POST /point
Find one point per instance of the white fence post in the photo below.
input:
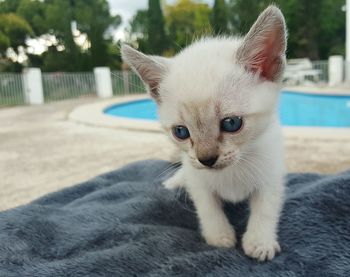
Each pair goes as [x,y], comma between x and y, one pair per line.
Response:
[103,82]
[33,86]
[335,70]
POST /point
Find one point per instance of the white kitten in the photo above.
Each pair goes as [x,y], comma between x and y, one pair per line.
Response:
[217,100]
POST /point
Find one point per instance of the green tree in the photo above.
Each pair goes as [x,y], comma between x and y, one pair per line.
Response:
[155,29]
[333,29]
[34,13]
[243,13]
[219,20]
[13,31]
[59,14]
[55,17]
[94,19]
[187,19]
[303,19]
[316,28]
[115,60]
[137,31]
[9,6]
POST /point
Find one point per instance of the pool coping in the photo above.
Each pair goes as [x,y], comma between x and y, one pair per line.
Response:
[319,90]
[93,114]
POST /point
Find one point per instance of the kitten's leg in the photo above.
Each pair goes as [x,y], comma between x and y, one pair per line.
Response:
[260,239]
[175,181]
[216,228]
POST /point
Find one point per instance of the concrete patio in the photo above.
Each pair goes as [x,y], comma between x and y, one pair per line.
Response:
[42,150]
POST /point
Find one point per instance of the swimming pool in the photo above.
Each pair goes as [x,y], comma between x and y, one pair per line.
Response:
[296,109]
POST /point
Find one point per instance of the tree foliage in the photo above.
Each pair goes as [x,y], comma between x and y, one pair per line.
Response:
[137,32]
[187,19]
[316,28]
[243,13]
[219,19]
[9,6]
[13,31]
[37,17]
[94,19]
[155,28]
[34,13]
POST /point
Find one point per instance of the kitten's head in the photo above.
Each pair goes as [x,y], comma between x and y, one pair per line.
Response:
[217,96]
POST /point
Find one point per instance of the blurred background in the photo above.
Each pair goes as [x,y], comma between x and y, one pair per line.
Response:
[78,35]
[62,81]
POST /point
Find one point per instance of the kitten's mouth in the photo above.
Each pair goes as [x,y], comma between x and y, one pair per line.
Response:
[212,168]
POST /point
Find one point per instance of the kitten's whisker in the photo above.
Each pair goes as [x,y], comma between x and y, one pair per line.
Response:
[168,169]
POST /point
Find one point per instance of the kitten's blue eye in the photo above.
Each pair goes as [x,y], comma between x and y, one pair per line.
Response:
[231,124]
[181,132]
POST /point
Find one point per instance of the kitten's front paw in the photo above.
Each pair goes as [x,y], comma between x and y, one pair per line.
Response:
[259,247]
[221,237]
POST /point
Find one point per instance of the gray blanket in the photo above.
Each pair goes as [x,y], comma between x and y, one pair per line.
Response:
[125,224]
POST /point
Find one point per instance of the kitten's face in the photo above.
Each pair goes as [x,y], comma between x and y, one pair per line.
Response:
[217,96]
[215,121]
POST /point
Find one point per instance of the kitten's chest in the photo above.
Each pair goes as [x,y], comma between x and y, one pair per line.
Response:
[234,192]
[229,186]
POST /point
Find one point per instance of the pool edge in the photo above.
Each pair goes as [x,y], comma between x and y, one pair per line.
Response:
[93,114]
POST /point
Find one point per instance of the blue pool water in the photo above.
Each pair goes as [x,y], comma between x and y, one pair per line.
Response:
[296,109]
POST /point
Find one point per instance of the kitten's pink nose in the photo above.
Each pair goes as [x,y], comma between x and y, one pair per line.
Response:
[209,162]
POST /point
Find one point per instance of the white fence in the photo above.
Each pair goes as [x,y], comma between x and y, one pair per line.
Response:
[305,72]
[60,86]
[126,82]
[65,85]
[11,89]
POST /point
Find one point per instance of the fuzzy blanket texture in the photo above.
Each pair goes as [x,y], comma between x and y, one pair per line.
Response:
[125,223]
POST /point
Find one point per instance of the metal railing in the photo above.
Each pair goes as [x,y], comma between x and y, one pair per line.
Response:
[306,72]
[126,82]
[11,89]
[60,86]
[322,66]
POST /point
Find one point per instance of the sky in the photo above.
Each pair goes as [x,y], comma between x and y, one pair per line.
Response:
[127,8]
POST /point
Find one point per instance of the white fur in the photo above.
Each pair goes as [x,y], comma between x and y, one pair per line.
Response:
[261,182]
[211,80]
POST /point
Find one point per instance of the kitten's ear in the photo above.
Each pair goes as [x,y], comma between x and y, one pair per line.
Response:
[264,47]
[151,69]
